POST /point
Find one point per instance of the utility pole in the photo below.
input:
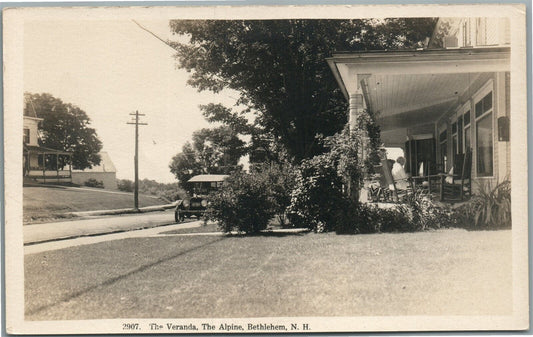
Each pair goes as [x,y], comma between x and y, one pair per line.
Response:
[136,158]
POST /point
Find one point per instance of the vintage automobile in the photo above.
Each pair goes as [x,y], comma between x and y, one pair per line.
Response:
[201,185]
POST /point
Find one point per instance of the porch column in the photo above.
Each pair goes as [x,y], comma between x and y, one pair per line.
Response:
[356,108]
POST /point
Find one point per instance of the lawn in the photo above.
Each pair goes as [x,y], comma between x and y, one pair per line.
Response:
[49,202]
[444,272]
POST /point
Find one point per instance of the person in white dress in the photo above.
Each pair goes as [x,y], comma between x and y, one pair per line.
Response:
[399,175]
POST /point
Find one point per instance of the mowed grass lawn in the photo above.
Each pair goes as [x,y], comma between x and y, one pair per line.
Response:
[444,272]
[50,202]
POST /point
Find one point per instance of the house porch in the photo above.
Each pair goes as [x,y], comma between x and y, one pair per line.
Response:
[46,165]
[435,105]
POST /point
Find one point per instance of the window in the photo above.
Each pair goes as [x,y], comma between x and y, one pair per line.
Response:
[484,105]
[466,33]
[481,31]
[457,136]
[454,139]
[26,136]
[484,139]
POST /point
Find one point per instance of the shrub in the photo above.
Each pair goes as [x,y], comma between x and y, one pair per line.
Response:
[359,219]
[398,219]
[423,214]
[317,195]
[125,185]
[345,155]
[490,208]
[243,204]
[367,219]
[94,183]
[280,179]
[417,214]
[327,186]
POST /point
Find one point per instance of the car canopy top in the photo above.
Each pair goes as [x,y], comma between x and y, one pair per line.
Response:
[204,178]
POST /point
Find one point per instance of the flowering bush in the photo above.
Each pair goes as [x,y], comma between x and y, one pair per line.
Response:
[345,150]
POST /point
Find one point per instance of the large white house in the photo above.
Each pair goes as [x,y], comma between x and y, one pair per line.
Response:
[40,163]
[442,100]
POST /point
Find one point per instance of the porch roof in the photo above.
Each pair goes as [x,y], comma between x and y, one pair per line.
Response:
[414,87]
[43,150]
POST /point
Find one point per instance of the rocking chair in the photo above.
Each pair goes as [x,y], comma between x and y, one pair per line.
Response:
[398,194]
[457,186]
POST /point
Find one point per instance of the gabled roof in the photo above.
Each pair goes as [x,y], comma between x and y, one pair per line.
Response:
[106,165]
[30,111]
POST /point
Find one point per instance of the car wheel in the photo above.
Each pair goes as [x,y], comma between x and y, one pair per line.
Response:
[179,216]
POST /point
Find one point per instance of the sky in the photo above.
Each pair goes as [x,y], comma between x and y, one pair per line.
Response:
[111,69]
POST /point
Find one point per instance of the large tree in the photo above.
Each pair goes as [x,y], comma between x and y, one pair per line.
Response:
[279,68]
[212,151]
[66,127]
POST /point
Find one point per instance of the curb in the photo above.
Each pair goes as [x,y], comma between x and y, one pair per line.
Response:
[93,234]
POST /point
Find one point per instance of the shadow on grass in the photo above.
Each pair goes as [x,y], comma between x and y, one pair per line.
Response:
[115,279]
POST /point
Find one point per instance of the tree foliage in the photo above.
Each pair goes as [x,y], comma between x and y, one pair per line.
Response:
[167,191]
[212,151]
[66,127]
[279,68]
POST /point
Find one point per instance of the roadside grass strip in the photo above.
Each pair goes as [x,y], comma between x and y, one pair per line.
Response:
[41,204]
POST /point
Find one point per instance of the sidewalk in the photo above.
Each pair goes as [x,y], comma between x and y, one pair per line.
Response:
[102,225]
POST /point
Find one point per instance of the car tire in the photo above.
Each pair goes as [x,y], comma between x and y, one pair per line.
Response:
[179,216]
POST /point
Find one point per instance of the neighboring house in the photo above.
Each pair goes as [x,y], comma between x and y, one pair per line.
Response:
[440,101]
[105,172]
[40,163]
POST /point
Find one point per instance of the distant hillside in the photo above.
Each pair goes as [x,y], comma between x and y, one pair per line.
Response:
[50,202]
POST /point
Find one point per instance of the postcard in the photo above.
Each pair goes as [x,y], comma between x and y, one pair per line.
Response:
[220,169]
